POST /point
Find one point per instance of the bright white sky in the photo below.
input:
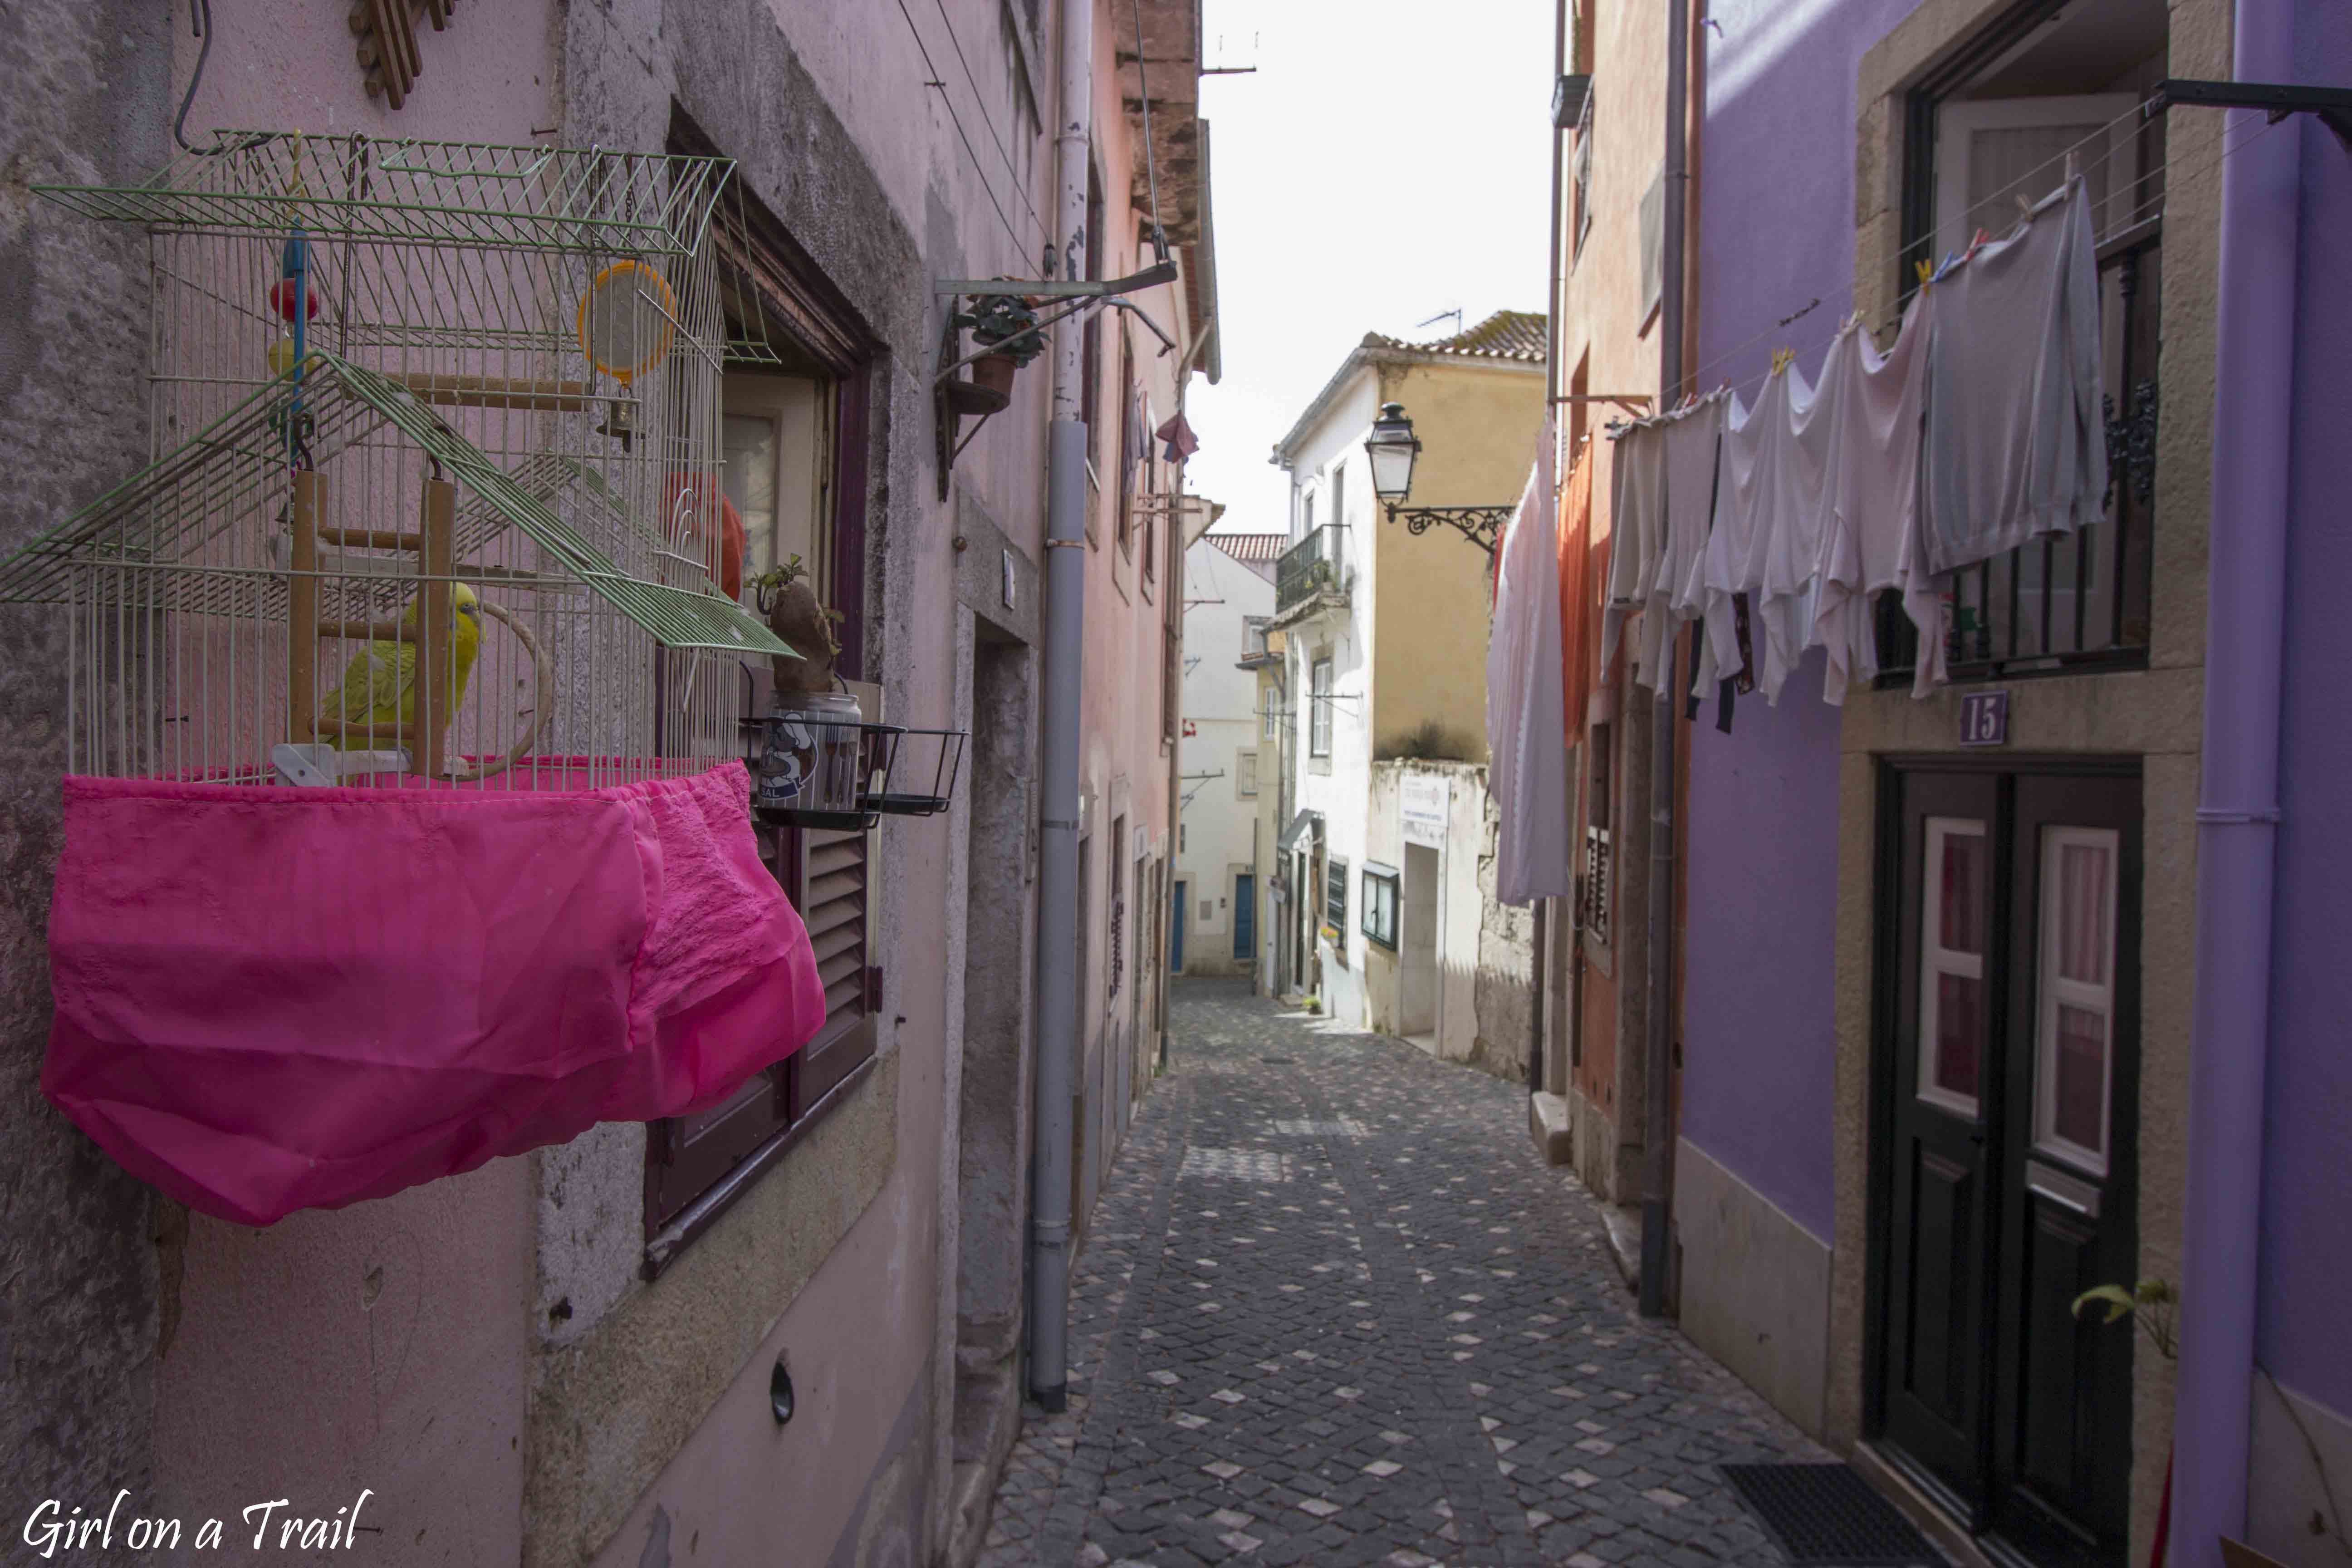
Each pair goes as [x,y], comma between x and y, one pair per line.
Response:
[1359,110]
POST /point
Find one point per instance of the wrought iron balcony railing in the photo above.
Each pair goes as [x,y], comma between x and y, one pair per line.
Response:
[1315,565]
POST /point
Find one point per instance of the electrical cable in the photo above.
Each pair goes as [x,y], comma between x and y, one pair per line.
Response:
[989,120]
[2147,209]
[978,168]
[1150,166]
[200,24]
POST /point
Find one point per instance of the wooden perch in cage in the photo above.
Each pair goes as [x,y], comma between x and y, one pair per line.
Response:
[497,392]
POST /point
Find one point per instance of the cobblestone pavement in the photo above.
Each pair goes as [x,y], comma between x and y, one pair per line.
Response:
[1332,1309]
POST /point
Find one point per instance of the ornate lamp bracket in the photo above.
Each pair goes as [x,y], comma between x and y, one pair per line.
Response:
[1481,525]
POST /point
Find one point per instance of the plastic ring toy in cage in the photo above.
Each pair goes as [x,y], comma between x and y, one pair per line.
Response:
[627,319]
[541,701]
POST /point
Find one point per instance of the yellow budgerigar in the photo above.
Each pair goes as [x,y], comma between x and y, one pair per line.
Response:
[378,691]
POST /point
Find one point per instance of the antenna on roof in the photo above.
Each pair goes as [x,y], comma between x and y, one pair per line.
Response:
[1455,314]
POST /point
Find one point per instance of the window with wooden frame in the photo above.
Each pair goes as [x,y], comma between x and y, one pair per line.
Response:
[1335,905]
[1598,890]
[795,433]
[1381,885]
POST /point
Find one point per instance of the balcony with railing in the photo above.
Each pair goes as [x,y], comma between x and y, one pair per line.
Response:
[1314,571]
[2077,602]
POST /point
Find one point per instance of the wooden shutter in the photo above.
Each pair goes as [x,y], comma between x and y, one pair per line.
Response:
[828,877]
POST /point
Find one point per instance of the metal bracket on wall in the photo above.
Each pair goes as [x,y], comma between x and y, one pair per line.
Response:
[2332,105]
[1478,524]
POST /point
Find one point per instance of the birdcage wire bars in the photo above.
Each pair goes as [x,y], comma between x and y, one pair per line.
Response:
[451,403]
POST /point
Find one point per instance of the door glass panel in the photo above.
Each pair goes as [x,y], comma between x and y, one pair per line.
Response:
[1952,963]
[2076,1005]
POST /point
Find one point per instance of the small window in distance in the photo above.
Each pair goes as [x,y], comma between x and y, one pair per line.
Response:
[1273,715]
[1305,513]
[1246,774]
[1335,900]
[1380,883]
[1180,838]
[1319,721]
[1339,492]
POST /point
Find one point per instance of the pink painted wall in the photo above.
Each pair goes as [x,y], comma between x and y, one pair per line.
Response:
[381,1346]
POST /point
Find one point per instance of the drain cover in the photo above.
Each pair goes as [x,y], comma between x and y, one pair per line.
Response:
[1826,1516]
[1275,1061]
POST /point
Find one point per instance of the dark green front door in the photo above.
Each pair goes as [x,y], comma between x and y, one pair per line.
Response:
[2008,1069]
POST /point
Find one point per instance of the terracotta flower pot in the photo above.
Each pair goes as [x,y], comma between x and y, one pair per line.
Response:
[993,373]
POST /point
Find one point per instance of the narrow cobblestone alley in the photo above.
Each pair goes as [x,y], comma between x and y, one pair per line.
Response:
[1333,1310]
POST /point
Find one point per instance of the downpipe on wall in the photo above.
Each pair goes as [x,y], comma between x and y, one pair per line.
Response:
[1057,880]
[1657,1156]
[2237,810]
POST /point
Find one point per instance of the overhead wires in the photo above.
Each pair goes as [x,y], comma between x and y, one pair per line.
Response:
[978,167]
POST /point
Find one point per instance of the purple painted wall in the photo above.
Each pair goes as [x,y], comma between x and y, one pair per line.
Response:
[1758,993]
[2306,1235]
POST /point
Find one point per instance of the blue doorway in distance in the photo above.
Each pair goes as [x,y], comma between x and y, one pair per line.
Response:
[1244,917]
[1176,934]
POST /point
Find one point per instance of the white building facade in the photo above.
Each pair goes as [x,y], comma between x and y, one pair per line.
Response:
[1215,914]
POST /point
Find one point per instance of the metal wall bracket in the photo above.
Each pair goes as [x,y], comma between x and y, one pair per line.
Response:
[2332,105]
[1481,525]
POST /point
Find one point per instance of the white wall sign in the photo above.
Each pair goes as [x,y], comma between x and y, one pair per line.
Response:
[1423,800]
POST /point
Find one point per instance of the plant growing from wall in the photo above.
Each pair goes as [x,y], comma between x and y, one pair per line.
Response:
[1428,742]
[2153,1306]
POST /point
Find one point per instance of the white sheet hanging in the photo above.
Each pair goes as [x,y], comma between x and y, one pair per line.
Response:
[2016,442]
[1526,724]
[1870,532]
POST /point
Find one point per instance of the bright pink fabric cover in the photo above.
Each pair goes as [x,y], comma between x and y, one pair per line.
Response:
[269,999]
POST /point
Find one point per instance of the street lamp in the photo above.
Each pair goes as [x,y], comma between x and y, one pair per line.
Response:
[1392,449]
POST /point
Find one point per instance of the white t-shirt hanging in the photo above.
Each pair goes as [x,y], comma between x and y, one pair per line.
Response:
[1690,443]
[2016,440]
[1871,537]
[1637,518]
[1772,466]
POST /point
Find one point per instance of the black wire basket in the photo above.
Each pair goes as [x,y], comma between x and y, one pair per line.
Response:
[805,759]
[947,766]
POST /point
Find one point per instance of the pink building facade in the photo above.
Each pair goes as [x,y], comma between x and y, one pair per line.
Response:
[808,1346]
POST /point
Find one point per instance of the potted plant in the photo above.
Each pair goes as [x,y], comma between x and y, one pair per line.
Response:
[1007,326]
[789,600]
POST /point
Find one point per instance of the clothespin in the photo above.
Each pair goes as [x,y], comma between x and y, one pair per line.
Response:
[1782,359]
[2024,208]
[1926,268]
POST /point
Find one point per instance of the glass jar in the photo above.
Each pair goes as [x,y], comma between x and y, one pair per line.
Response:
[810,761]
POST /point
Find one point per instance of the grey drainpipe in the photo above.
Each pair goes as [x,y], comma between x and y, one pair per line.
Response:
[1657,1159]
[1058,882]
[2237,811]
[1539,964]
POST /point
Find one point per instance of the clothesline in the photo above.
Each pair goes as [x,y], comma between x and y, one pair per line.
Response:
[1774,522]
[2139,214]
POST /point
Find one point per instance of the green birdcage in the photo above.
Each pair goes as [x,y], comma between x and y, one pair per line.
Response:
[437,492]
